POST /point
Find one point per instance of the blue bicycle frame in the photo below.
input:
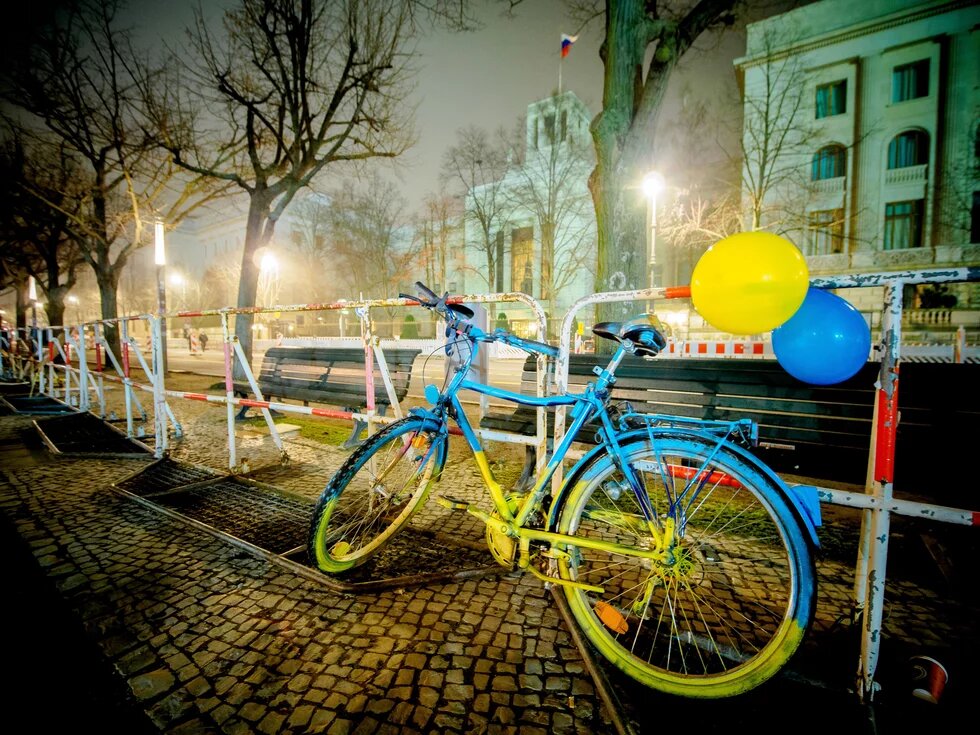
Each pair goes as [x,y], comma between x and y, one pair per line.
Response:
[585,406]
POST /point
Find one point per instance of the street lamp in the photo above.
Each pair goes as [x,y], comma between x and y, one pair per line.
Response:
[73,300]
[653,185]
[176,279]
[160,258]
[32,297]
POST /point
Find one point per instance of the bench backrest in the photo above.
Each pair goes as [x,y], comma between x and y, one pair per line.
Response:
[814,431]
[332,375]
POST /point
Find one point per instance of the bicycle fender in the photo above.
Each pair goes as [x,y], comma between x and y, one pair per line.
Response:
[802,498]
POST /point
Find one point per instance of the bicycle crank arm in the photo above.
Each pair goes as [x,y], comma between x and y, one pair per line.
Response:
[564,582]
[448,501]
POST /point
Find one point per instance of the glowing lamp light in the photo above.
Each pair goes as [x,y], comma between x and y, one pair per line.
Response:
[653,184]
[159,255]
[269,262]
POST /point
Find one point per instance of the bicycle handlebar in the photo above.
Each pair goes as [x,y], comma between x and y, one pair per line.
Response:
[528,345]
[455,313]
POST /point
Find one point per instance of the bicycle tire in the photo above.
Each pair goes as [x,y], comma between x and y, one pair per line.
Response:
[353,518]
[736,599]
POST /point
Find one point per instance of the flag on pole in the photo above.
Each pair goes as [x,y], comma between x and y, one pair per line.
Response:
[566,44]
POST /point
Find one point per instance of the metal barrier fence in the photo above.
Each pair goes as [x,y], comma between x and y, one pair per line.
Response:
[876,503]
[65,350]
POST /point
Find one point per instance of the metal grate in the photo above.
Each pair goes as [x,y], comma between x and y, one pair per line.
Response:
[277,523]
[83,433]
[164,475]
[414,553]
[263,518]
[38,405]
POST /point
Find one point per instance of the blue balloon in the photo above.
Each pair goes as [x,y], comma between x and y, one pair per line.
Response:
[826,341]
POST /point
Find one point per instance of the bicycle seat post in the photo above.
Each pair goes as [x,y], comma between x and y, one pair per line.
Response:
[607,375]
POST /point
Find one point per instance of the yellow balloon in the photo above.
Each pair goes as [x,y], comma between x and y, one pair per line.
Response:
[749,283]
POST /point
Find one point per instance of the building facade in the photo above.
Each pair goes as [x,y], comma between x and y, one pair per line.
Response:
[543,233]
[872,140]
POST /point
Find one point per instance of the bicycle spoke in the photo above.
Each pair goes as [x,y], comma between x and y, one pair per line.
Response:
[719,591]
[373,495]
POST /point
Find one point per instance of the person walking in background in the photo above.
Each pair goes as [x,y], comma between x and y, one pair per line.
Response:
[204,340]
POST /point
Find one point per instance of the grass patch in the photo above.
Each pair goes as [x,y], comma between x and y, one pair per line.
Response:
[322,431]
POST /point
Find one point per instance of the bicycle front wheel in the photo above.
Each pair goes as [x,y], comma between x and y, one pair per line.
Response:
[732,598]
[375,493]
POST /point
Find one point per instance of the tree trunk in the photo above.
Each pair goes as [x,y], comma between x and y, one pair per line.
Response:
[108,279]
[620,212]
[20,318]
[256,236]
[55,311]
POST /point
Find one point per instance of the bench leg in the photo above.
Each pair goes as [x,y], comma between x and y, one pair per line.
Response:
[241,415]
[526,481]
[358,427]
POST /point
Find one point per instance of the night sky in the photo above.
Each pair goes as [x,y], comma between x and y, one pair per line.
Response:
[485,77]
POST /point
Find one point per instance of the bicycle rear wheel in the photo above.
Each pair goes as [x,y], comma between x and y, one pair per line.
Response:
[731,603]
[375,493]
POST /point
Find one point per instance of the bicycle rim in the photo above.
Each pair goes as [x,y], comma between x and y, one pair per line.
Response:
[374,494]
[732,602]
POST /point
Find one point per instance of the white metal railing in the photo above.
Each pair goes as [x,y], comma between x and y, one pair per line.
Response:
[878,502]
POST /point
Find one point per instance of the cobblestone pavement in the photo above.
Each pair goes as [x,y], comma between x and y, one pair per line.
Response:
[210,638]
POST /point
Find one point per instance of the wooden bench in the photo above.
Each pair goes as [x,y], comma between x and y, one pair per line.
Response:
[332,376]
[814,431]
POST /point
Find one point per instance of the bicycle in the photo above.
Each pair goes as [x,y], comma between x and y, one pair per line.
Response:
[685,560]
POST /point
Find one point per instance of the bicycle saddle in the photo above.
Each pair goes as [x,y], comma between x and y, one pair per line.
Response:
[647,340]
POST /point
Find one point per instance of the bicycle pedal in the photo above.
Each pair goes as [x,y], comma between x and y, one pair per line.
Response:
[448,501]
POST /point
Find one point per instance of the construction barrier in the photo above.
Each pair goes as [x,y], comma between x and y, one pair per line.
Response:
[877,503]
[81,380]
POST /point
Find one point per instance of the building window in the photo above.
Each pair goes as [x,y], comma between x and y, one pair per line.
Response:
[910,81]
[826,232]
[522,260]
[549,128]
[910,148]
[828,163]
[903,225]
[832,99]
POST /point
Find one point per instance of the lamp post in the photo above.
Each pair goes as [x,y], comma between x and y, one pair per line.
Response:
[653,184]
[160,258]
[32,297]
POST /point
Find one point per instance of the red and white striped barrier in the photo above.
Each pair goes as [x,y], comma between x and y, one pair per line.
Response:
[730,348]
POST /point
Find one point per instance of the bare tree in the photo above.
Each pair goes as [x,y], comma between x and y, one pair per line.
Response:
[695,221]
[438,238]
[80,81]
[777,133]
[310,235]
[366,239]
[624,132]
[550,184]
[288,89]
[37,237]
[477,164]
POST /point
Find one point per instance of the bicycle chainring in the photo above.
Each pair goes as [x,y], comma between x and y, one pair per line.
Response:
[502,547]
